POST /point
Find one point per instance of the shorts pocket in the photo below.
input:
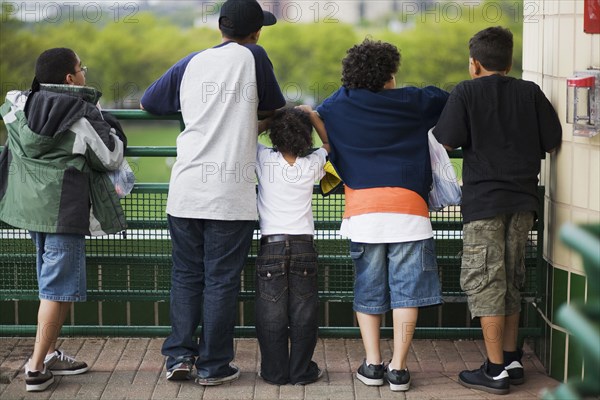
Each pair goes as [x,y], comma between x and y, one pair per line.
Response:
[56,252]
[473,271]
[303,279]
[428,256]
[271,280]
[357,250]
[51,254]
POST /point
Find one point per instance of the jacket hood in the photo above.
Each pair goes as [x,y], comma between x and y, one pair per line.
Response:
[55,108]
[50,112]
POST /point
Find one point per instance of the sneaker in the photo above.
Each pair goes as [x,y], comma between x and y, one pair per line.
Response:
[516,373]
[480,379]
[232,375]
[181,371]
[36,381]
[370,375]
[318,376]
[515,369]
[60,364]
[399,380]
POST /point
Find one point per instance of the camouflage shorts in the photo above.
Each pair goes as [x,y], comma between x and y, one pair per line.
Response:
[493,263]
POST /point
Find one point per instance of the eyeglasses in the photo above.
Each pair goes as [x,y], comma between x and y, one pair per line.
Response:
[82,69]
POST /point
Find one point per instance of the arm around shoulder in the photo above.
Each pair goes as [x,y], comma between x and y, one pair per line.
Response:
[318,124]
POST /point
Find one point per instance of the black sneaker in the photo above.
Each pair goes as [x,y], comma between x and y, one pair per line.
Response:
[399,380]
[36,381]
[516,374]
[515,369]
[480,379]
[182,370]
[232,374]
[61,364]
[370,375]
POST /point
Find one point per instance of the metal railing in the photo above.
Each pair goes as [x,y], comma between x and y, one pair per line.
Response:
[128,275]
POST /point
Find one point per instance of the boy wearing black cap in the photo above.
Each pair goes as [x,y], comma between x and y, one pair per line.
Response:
[211,207]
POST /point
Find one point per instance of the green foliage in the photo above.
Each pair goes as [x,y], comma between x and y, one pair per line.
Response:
[126,54]
[307,57]
[123,58]
[436,50]
[17,56]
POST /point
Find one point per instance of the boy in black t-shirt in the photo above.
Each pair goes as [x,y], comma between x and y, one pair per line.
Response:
[503,125]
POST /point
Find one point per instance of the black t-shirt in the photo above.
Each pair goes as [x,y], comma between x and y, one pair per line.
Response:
[504,125]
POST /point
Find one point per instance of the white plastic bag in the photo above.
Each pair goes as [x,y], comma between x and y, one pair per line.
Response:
[123,179]
[445,190]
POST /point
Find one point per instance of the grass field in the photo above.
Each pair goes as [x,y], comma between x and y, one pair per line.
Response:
[151,169]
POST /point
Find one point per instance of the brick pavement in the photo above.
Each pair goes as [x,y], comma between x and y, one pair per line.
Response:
[132,368]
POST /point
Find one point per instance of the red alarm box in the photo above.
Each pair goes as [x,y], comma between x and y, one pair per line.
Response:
[591,16]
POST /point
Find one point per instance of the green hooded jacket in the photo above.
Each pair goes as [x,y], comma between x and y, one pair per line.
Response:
[53,168]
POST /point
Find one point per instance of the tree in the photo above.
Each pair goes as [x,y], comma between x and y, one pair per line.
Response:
[125,55]
[19,49]
[308,57]
[435,50]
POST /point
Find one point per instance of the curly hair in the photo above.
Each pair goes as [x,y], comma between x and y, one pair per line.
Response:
[370,65]
[291,132]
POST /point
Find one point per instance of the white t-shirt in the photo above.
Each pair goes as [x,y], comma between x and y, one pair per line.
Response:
[219,91]
[386,228]
[285,191]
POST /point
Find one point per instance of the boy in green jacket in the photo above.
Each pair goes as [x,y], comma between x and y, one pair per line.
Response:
[53,182]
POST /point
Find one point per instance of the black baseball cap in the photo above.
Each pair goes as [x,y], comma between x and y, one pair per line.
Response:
[247,16]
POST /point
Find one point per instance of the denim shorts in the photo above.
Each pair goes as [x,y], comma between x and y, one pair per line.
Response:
[493,263]
[60,266]
[395,275]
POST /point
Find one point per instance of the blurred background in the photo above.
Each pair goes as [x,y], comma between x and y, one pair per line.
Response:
[128,44]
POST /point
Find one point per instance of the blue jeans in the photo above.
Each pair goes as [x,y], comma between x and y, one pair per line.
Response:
[208,258]
[287,308]
[395,275]
[60,260]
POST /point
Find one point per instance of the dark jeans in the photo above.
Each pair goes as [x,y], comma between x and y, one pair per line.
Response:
[287,308]
[208,258]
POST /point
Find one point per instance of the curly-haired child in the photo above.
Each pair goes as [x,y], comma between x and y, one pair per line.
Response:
[286,267]
[379,147]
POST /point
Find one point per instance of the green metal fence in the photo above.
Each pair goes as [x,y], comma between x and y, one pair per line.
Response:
[128,274]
